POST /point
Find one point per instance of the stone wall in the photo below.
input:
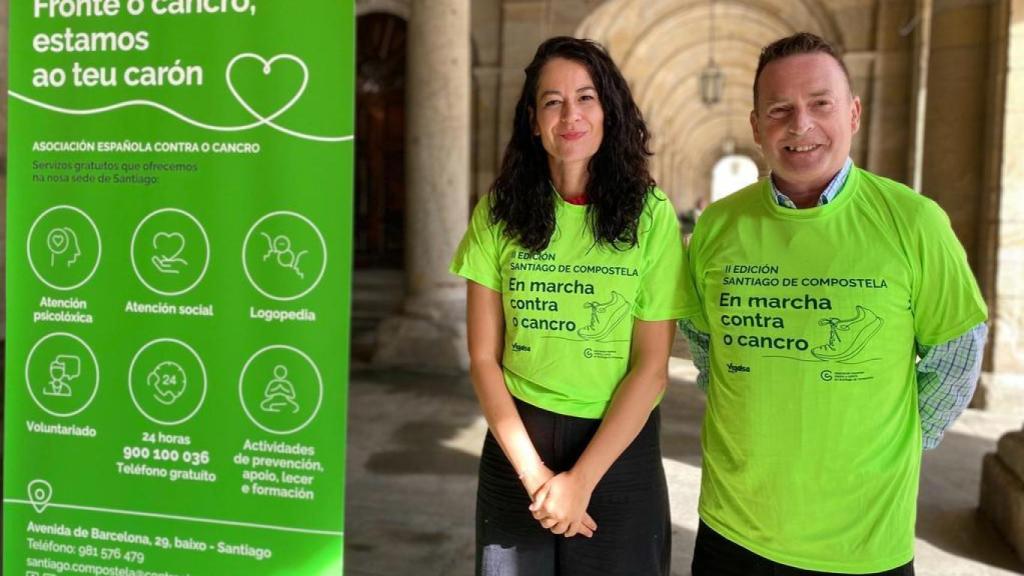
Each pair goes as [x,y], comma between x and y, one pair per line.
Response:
[1002,481]
[958,87]
[1006,389]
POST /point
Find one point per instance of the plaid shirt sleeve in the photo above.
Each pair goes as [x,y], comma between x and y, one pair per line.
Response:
[700,345]
[946,378]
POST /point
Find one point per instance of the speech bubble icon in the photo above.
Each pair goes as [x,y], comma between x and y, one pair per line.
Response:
[39,494]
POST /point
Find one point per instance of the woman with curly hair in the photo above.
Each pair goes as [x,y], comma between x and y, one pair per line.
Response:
[576,275]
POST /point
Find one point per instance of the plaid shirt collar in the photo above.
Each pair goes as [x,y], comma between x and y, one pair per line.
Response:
[827,196]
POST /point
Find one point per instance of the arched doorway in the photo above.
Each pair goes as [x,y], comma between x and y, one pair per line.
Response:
[380,141]
[731,173]
[379,211]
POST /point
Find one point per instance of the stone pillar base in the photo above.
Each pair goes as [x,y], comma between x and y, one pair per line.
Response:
[430,336]
[1002,393]
[422,345]
[1002,489]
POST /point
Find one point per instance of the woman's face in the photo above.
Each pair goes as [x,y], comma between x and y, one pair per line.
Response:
[568,118]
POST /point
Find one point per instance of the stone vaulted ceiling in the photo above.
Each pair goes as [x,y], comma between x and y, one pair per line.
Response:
[662,46]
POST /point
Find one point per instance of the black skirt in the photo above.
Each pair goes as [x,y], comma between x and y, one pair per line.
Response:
[629,504]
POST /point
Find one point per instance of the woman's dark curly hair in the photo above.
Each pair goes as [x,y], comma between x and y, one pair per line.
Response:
[619,180]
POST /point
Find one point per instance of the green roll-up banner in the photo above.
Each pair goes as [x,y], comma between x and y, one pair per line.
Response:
[178,285]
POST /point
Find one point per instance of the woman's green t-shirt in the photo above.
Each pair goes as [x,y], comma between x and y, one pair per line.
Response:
[569,309]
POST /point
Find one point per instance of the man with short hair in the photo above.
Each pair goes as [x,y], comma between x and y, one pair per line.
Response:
[821,286]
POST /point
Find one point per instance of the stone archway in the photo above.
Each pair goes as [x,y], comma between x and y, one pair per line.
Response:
[662,46]
[731,173]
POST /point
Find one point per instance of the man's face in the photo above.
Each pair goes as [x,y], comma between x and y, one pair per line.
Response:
[805,119]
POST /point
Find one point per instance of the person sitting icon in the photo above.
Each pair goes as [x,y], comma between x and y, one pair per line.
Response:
[279,393]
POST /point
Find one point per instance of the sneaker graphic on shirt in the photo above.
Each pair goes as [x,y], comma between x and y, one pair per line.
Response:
[604,317]
[848,337]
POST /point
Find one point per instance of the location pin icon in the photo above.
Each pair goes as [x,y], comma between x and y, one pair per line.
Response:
[39,494]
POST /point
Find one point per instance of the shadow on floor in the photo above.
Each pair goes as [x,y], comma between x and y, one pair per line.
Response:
[421,451]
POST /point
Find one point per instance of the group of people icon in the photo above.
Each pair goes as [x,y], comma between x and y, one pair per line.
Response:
[280,247]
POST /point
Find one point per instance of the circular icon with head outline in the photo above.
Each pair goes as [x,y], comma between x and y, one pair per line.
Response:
[281,389]
[64,247]
[284,255]
[62,374]
[170,251]
[167,381]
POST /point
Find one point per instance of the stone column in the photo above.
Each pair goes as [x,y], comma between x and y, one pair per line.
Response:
[1002,489]
[487,150]
[958,143]
[887,124]
[430,332]
[1003,382]
[919,105]
[1002,478]
[1004,385]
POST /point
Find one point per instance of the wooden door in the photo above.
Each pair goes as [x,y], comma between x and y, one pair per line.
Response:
[380,142]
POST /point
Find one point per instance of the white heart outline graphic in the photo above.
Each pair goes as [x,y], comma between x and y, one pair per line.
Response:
[171,236]
[267,66]
[260,121]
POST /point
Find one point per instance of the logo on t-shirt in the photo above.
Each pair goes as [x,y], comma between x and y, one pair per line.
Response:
[601,354]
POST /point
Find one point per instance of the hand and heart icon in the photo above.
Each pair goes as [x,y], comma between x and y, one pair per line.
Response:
[167,247]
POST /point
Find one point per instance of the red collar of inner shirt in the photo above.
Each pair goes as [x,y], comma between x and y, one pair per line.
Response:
[580,200]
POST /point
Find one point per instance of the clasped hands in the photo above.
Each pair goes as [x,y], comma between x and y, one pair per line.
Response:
[560,502]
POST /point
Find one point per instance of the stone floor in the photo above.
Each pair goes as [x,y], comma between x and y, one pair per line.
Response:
[413,444]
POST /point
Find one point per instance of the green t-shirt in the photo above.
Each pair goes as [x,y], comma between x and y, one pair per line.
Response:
[569,309]
[811,440]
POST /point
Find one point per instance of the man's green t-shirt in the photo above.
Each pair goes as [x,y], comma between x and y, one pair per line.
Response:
[569,309]
[812,441]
